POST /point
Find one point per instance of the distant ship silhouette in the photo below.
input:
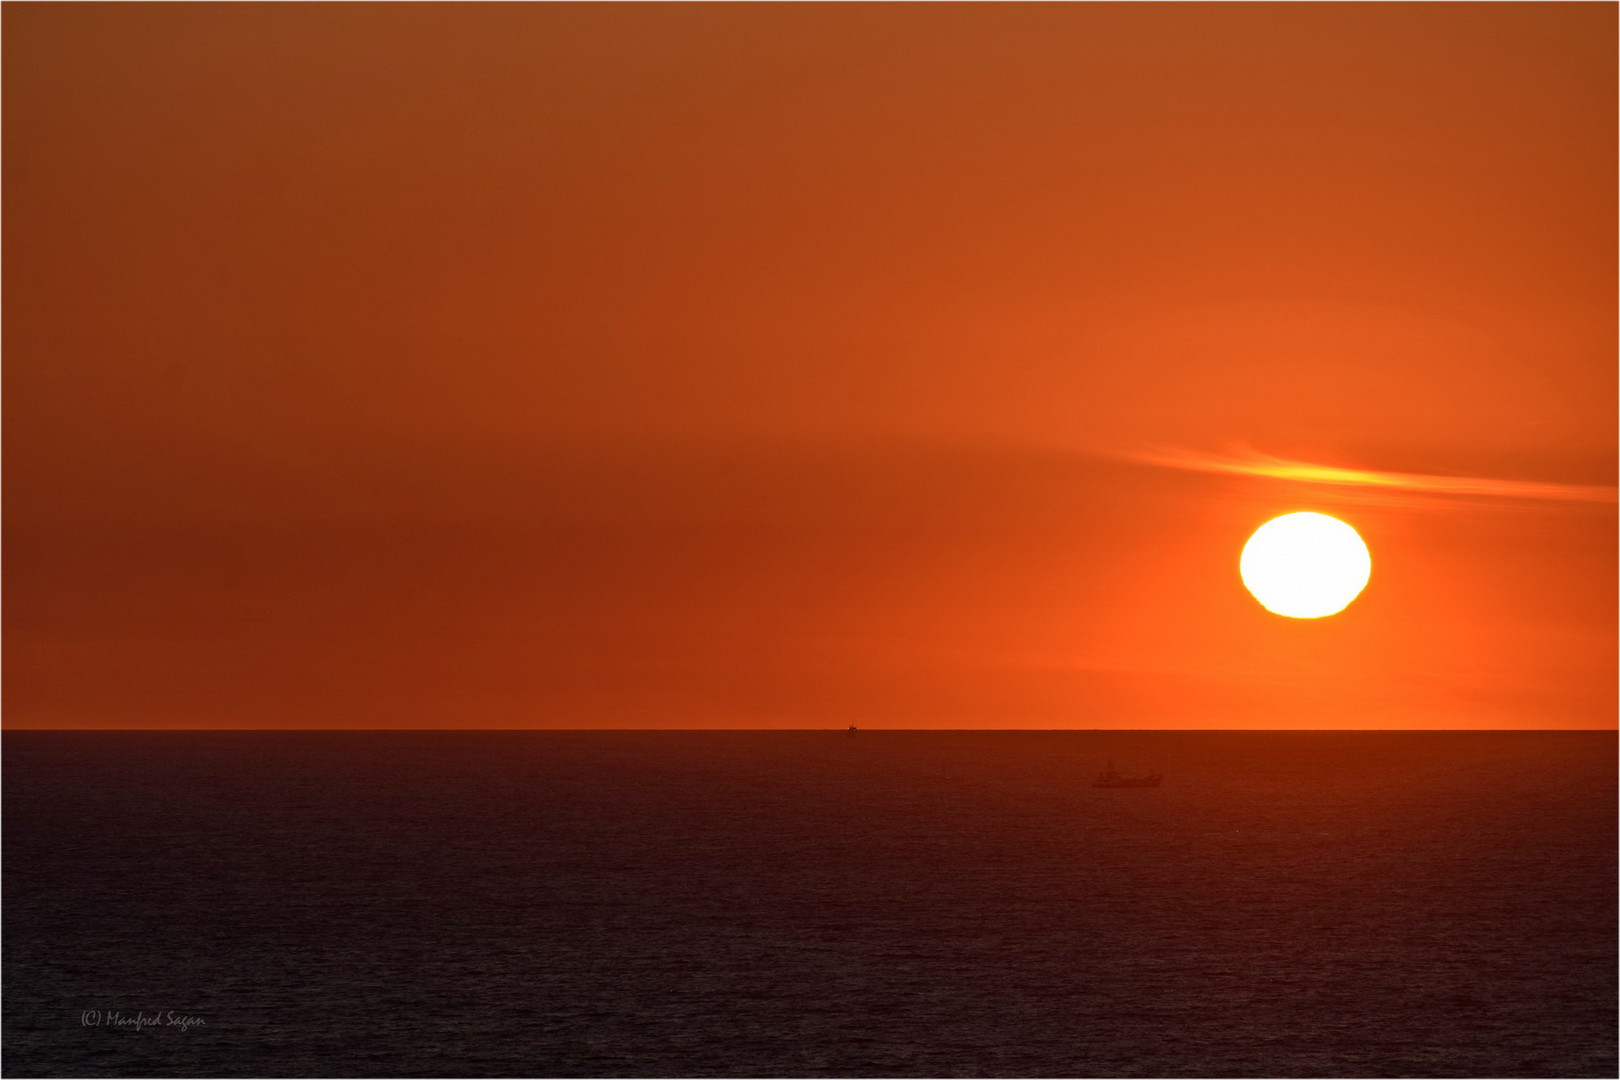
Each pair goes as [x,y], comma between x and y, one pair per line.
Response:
[1110,778]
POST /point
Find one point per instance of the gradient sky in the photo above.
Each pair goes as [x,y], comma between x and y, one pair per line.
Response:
[727,365]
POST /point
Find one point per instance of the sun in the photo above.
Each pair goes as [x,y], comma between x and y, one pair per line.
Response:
[1305,565]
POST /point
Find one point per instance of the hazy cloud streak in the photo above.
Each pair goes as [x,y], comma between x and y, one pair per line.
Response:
[1257,464]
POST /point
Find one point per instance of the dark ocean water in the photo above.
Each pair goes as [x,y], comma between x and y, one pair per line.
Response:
[807,904]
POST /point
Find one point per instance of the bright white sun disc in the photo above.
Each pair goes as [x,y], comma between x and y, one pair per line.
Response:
[1305,565]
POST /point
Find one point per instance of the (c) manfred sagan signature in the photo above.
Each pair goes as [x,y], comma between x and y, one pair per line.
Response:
[140,1020]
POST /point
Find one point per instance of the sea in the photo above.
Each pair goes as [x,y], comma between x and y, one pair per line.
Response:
[809,903]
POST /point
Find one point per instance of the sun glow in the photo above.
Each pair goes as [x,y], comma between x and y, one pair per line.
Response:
[1305,565]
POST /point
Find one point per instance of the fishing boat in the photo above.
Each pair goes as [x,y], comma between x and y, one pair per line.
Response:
[1109,777]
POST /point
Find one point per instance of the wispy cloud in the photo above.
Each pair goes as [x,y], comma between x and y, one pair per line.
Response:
[1257,464]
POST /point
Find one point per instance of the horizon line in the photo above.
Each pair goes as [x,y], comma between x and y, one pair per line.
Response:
[770,730]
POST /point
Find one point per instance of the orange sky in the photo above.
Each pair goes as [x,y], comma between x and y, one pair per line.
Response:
[723,365]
